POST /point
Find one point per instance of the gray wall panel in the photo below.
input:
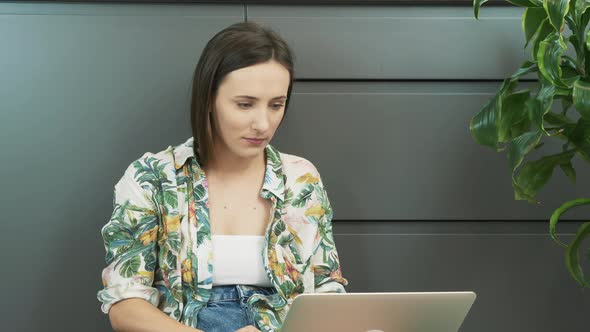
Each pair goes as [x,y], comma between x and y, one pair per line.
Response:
[87,88]
[403,151]
[84,90]
[389,42]
[520,279]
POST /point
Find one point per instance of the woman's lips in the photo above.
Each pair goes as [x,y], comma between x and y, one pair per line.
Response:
[255,141]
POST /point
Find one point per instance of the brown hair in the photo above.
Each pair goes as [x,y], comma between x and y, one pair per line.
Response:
[240,45]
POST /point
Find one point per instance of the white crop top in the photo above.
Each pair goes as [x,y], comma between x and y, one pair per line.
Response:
[237,259]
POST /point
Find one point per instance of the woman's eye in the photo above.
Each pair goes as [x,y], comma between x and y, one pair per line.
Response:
[246,105]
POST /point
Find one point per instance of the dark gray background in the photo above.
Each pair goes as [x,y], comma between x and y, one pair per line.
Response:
[381,106]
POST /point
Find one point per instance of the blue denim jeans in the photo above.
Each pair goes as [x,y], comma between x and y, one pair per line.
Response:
[227,310]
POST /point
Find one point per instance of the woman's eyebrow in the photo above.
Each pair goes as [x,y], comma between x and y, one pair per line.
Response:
[255,98]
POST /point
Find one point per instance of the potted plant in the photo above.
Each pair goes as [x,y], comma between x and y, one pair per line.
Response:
[515,121]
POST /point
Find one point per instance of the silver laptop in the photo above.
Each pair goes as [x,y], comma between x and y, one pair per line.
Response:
[376,312]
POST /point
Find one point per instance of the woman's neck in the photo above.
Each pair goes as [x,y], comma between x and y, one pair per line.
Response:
[227,166]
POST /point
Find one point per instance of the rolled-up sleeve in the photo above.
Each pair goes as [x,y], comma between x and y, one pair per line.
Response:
[325,261]
[130,238]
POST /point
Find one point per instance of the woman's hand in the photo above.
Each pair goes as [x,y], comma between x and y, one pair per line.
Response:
[249,328]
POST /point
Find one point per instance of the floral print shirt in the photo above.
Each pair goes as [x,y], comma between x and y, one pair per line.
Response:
[158,239]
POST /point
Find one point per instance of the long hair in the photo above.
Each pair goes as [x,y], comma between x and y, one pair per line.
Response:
[240,45]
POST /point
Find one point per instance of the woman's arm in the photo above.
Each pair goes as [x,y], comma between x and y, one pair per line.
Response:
[138,315]
[325,261]
[130,241]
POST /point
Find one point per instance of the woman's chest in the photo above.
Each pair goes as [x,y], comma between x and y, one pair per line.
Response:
[238,211]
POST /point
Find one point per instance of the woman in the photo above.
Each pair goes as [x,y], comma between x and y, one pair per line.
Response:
[221,232]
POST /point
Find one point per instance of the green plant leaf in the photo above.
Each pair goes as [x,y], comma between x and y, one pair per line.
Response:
[580,9]
[573,41]
[558,120]
[476,5]
[521,146]
[569,171]
[556,10]
[526,3]
[588,39]
[532,18]
[572,260]
[522,125]
[579,137]
[520,194]
[513,111]
[484,125]
[540,105]
[522,3]
[581,97]
[566,103]
[542,32]
[569,22]
[561,210]
[525,68]
[566,92]
[535,174]
[549,58]
[585,17]
[569,71]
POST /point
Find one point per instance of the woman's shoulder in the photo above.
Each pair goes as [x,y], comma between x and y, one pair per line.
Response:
[151,162]
[296,166]
[163,158]
[150,166]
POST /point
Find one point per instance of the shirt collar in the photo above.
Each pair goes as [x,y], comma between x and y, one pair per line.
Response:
[273,177]
[182,152]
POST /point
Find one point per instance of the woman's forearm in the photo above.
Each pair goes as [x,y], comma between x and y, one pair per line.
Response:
[138,315]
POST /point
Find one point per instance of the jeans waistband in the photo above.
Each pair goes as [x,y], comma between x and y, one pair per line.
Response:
[235,292]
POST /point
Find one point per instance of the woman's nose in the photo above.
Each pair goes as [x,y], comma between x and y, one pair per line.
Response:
[261,121]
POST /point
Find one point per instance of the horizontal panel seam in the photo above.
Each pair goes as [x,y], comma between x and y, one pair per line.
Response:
[453,234]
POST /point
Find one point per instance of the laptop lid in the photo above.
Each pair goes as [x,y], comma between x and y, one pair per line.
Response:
[375,312]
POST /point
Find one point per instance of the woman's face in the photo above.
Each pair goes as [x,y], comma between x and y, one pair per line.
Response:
[249,105]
